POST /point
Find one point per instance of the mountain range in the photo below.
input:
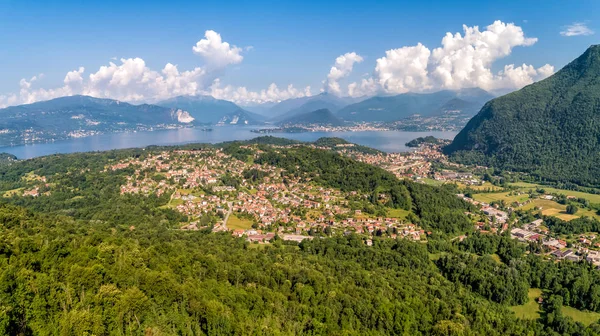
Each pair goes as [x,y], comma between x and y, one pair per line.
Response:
[294,106]
[320,117]
[209,110]
[83,115]
[58,117]
[393,108]
[550,129]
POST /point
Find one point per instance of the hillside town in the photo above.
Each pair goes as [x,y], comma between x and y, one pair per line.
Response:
[251,200]
[260,202]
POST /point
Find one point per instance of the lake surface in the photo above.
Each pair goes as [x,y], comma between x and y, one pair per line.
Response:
[388,141]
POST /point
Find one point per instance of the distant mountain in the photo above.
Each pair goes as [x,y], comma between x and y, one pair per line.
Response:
[318,117]
[261,109]
[241,117]
[301,105]
[401,106]
[77,115]
[459,106]
[309,106]
[206,109]
[550,128]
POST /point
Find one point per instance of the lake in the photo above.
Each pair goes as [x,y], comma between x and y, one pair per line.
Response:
[388,141]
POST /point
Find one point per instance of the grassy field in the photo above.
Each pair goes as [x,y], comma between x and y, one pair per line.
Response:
[397,213]
[484,186]
[550,208]
[488,198]
[584,317]
[530,310]
[18,191]
[593,198]
[234,223]
[432,182]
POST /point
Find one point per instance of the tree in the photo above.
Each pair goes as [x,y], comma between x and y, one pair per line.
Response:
[572,209]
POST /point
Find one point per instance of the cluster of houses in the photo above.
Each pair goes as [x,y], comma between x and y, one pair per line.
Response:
[416,164]
[466,178]
[496,216]
[292,208]
[34,192]
[558,248]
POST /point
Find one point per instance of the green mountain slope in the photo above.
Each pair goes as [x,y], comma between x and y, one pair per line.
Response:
[550,128]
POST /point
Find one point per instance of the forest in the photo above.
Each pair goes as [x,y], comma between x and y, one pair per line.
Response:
[86,259]
[549,129]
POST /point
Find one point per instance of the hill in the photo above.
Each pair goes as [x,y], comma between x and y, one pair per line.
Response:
[310,106]
[550,128]
[318,117]
[58,118]
[109,246]
[401,106]
[209,110]
[291,107]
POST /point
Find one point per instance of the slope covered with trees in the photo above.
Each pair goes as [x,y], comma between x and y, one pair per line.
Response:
[63,276]
[550,128]
[86,259]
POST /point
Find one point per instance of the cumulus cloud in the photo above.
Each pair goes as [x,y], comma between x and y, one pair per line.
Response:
[132,80]
[462,61]
[403,69]
[342,68]
[513,77]
[244,96]
[217,54]
[577,29]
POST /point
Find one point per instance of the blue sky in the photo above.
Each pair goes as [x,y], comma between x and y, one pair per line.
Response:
[291,43]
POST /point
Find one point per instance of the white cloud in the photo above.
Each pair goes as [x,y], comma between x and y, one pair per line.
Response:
[342,68]
[216,53]
[463,61]
[403,69]
[132,80]
[244,96]
[511,76]
[577,29]
[367,87]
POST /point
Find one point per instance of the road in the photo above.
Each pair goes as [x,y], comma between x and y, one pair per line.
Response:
[230,206]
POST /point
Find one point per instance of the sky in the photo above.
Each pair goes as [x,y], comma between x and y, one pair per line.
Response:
[253,52]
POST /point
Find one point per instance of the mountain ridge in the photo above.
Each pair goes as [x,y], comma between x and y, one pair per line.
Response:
[317,117]
[550,128]
[397,107]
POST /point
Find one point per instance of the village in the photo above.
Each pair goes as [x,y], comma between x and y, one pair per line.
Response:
[494,218]
[253,201]
[263,202]
[260,203]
